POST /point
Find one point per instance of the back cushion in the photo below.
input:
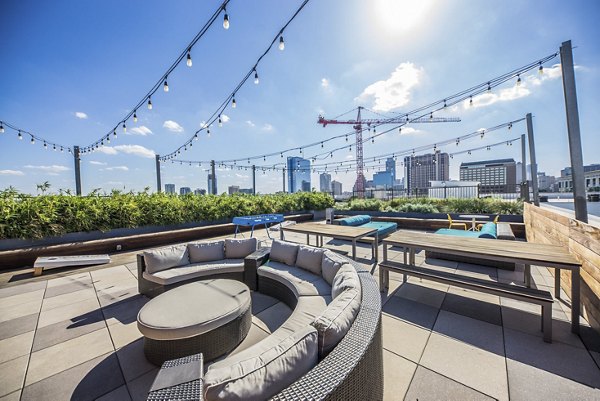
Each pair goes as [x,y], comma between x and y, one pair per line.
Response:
[356,220]
[166,257]
[284,252]
[346,278]
[488,230]
[336,320]
[206,251]
[239,248]
[330,264]
[261,377]
[309,258]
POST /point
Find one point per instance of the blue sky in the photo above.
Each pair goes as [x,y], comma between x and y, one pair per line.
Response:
[70,71]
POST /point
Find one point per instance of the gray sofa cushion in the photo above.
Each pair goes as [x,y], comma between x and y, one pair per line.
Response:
[299,281]
[166,258]
[336,320]
[330,264]
[206,251]
[284,252]
[195,270]
[239,248]
[310,258]
[262,377]
[346,278]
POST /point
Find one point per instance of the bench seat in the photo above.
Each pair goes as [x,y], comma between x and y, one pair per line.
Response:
[300,281]
[195,271]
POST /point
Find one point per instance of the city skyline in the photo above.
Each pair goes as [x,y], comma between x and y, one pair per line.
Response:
[60,81]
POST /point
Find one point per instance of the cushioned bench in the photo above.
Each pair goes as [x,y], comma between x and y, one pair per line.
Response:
[363,220]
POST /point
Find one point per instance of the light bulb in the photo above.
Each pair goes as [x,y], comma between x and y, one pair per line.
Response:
[220,121]
[489,88]
[108,138]
[1,128]
[32,141]
[166,86]
[135,116]
[541,69]
[54,147]
[281,43]
[471,101]
[124,127]
[518,80]
[226,21]
[115,133]
[45,145]
[233,103]
[61,149]
[196,136]
[189,59]
[256,77]
[20,136]
[149,104]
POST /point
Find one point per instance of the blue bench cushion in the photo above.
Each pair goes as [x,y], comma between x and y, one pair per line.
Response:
[488,230]
[355,220]
[383,228]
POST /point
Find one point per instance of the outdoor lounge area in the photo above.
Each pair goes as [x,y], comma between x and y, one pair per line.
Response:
[73,334]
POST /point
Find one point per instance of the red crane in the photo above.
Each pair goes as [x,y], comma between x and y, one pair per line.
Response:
[357,124]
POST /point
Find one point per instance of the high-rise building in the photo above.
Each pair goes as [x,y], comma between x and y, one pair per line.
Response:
[233,189]
[169,188]
[383,179]
[390,167]
[591,174]
[185,190]
[336,187]
[210,184]
[325,182]
[420,170]
[199,191]
[545,182]
[493,175]
[298,174]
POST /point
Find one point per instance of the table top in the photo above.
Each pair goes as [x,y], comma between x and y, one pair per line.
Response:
[331,230]
[492,249]
[473,216]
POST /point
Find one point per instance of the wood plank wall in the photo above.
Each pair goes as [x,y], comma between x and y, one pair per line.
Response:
[583,241]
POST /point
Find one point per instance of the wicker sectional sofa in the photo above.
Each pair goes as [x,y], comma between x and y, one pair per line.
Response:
[329,348]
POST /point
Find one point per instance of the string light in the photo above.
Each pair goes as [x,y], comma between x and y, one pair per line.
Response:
[233,103]
[45,145]
[1,128]
[489,88]
[124,127]
[518,79]
[115,133]
[541,69]
[32,141]
[220,121]
[149,103]
[189,59]
[135,119]
[255,77]
[281,43]
[225,19]
[471,101]
[20,136]
[166,86]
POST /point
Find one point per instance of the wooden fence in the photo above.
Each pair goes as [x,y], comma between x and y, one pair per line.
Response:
[583,241]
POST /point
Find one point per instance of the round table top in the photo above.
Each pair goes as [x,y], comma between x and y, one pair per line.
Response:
[473,216]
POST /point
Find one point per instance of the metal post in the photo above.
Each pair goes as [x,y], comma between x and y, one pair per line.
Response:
[253,179]
[213,183]
[77,161]
[283,171]
[523,182]
[158,184]
[570,91]
[534,183]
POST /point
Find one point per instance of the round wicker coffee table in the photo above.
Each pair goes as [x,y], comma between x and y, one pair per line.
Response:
[211,317]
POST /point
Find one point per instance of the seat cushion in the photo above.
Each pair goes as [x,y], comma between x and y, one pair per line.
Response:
[330,264]
[336,320]
[203,269]
[301,282]
[166,258]
[206,251]
[239,248]
[284,252]
[262,377]
[309,258]
[488,230]
[177,314]
[458,233]
[355,220]
[346,278]
[382,227]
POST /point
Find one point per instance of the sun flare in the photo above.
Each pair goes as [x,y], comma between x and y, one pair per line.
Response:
[401,15]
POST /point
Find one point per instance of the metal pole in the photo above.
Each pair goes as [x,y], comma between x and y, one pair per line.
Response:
[534,183]
[283,171]
[253,179]
[213,183]
[77,161]
[158,184]
[523,183]
[570,91]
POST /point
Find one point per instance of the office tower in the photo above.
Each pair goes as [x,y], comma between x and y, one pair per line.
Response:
[298,174]
[336,187]
[422,169]
[325,182]
[169,188]
[212,190]
[184,190]
[493,175]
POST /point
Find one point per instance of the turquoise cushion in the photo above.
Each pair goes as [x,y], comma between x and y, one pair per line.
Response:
[488,230]
[458,233]
[383,228]
[355,220]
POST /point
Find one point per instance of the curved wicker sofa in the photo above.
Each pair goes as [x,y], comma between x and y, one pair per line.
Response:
[352,370]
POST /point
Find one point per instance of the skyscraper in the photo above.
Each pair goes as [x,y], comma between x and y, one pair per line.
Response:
[298,174]
[493,175]
[184,190]
[390,167]
[336,187]
[325,182]
[169,188]
[210,184]
[422,169]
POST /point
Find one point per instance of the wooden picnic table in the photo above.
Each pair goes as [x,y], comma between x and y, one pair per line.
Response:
[527,253]
[348,233]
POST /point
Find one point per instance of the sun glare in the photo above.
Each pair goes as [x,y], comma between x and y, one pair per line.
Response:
[401,15]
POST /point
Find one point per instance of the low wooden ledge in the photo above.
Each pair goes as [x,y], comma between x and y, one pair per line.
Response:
[25,257]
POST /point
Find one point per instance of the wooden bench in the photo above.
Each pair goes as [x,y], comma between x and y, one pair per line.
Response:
[539,297]
[504,231]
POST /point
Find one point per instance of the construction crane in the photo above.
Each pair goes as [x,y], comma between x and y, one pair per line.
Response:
[358,123]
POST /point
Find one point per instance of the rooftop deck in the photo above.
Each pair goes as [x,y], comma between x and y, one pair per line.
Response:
[72,334]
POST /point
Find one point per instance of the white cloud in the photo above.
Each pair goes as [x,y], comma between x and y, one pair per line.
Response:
[241,175]
[97,163]
[203,124]
[81,115]
[225,118]
[136,150]
[121,168]
[53,169]
[141,130]
[409,130]
[250,123]
[395,91]
[172,126]
[349,157]
[107,150]
[324,82]
[11,172]
[267,127]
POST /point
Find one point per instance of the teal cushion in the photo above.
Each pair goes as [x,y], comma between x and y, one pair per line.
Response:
[458,233]
[383,227]
[488,230]
[355,220]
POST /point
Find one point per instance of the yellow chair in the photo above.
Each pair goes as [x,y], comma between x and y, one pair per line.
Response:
[481,224]
[452,224]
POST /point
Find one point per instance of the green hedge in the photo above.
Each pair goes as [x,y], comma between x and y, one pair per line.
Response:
[428,205]
[26,217]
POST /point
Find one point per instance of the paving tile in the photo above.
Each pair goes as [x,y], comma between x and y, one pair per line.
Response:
[530,383]
[22,288]
[16,396]
[68,299]
[82,277]
[411,312]
[13,347]
[138,388]
[260,302]
[18,326]
[421,294]
[557,358]
[273,317]
[427,385]
[477,271]
[469,303]
[404,339]
[72,312]
[68,288]
[124,311]
[52,360]
[439,264]
[16,311]
[474,332]
[102,277]
[56,333]
[255,335]
[124,333]
[465,363]
[120,394]
[18,299]
[133,361]
[118,293]
[12,375]
[397,374]
[85,381]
